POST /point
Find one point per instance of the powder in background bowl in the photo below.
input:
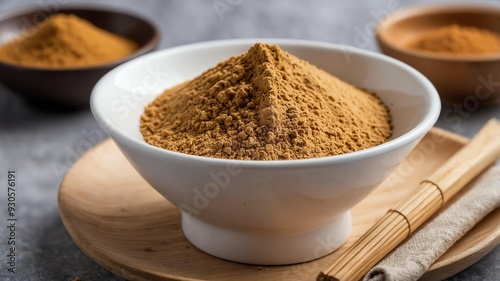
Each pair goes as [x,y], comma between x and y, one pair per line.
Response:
[455,39]
[64,41]
[265,105]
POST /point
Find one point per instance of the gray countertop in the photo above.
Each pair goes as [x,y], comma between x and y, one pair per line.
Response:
[32,140]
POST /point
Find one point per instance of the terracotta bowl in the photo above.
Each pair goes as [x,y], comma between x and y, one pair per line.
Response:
[69,87]
[464,79]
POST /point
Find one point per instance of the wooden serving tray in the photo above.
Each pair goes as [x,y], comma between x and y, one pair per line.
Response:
[123,224]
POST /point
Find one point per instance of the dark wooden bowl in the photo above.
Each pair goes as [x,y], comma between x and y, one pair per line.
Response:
[70,87]
[462,79]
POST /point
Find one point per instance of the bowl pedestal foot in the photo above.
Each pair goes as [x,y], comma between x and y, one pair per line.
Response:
[267,248]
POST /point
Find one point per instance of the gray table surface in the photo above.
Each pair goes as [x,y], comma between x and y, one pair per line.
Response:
[33,140]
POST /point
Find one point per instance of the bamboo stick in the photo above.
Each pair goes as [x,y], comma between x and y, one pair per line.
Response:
[432,193]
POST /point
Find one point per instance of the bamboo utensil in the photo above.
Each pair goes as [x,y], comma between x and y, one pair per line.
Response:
[399,222]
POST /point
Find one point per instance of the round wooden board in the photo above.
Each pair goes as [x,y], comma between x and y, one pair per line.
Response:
[123,224]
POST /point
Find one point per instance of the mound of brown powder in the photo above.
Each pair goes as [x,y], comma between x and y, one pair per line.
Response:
[456,39]
[265,105]
[66,41]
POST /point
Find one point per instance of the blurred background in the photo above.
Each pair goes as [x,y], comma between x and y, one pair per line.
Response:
[41,144]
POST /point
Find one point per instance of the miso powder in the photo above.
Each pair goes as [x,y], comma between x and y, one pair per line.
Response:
[265,104]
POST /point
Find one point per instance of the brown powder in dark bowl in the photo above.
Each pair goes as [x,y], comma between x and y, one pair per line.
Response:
[64,41]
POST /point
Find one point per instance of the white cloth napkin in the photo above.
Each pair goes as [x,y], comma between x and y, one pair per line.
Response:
[410,260]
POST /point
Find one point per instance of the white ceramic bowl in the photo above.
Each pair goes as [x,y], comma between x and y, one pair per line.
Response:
[264,212]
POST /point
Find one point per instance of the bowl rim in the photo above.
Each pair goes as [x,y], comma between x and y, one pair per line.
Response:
[423,10]
[145,48]
[434,108]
